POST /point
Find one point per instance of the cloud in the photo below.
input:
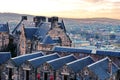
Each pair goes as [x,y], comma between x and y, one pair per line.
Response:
[116,4]
[65,8]
[93,1]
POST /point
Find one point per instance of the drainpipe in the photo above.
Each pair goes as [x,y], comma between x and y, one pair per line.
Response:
[110,68]
[0,72]
[75,76]
[31,47]
[18,73]
[54,74]
[35,73]
[3,42]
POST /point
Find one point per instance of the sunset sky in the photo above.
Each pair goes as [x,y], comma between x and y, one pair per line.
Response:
[64,8]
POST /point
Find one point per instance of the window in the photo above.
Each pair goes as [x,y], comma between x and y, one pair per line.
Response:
[22,44]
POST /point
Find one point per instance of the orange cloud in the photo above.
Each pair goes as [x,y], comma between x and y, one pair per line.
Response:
[64,8]
[94,1]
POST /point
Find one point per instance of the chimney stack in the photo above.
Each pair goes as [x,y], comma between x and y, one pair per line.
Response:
[39,19]
[24,17]
[54,21]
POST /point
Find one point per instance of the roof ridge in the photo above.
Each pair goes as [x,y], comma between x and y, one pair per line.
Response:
[61,58]
[42,57]
[28,54]
[98,61]
[79,60]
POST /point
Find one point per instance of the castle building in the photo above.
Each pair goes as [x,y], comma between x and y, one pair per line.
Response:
[44,36]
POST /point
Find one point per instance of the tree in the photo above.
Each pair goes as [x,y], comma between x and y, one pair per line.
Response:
[12,47]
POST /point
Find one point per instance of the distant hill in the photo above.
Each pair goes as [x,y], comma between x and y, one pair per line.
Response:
[97,20]
[8,17]
[16,16]
[71,24]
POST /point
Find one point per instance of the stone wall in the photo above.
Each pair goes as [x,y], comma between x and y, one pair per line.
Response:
[22,42]
[4,40]
[57,32]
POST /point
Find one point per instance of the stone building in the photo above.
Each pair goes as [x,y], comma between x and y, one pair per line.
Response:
[35,66]
[104,69]
[44,36]
[96,54]
[63,66]
[58,30]
[75,71]
[54,67]
[14,64]
[4,36]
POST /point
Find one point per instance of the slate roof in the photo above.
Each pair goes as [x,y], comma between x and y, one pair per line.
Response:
[21,59]
[36,62]
[86,51]
[48,40]
[4,28]
[108,53]
[4,57]
[42,31]
[70,49]
[59,62]
[100,68]
[37,32]
[29,32]
[79,64]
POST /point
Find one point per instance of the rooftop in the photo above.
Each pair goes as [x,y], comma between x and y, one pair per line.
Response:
[4,57]
[21,59]
[59,62]
[83,62]
[101,68]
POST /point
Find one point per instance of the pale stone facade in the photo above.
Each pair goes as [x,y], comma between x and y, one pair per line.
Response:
[22,41]
[57,32]
[44,47]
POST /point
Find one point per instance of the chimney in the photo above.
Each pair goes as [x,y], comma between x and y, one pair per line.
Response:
[39,19]
[54,21]
[110,67]
[24,17]
[18,25]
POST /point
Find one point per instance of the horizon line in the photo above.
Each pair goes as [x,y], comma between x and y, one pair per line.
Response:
[60,16]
